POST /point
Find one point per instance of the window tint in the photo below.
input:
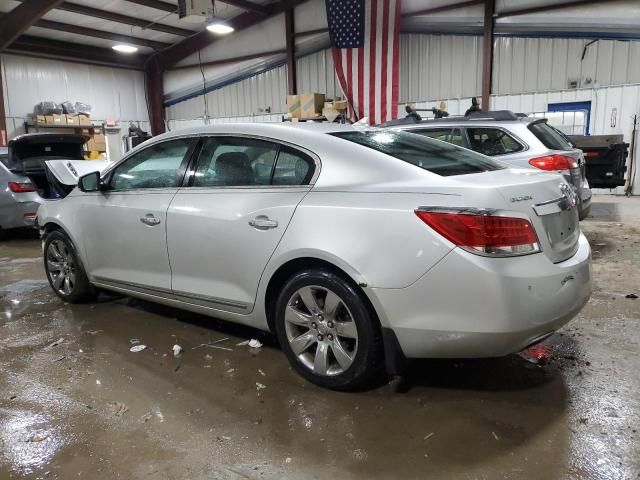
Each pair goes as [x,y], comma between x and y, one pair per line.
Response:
[292,168]
[492,141]
[234,162]
[157,166]
[550,137]
[436,157]
[449,135]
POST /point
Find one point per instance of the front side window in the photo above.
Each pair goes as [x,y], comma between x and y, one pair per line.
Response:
[449,135]
[436,157]
[492,141]
[157,166]
[245,162]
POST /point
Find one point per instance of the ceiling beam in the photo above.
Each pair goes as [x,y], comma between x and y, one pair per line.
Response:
[226,61]
[546,8]
[74,52]
[118,18]
[249,6]
[443,8]
[157,4]
[91,32]
[172,55]
[18,20]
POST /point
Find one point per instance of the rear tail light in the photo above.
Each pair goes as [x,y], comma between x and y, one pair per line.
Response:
[21,187]
[591,154]
[481,233]
[554,162]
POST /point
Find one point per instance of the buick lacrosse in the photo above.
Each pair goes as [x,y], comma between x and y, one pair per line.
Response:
[358,248]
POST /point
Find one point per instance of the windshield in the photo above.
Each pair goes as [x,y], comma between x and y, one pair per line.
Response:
[4,159]
[434,156]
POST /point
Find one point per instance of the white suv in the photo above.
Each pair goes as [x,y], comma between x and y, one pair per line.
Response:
[520,141]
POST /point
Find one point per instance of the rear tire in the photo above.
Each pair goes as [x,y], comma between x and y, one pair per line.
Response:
[328,331]
[65,271]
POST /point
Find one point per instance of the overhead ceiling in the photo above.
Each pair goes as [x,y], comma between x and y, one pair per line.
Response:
[86,30]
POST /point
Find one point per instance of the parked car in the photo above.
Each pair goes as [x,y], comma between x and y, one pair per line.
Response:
[521,141]
[354,246]
[36,167]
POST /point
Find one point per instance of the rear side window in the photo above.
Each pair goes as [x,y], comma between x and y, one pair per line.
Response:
[292,168]
[549,136]
[492,141]
[449,135]
[436,157]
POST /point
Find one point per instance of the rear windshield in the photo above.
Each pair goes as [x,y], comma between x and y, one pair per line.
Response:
[4,159]
[437,157]
[550,137]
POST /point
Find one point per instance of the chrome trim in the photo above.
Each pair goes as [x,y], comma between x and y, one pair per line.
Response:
[557,205]
[169,294]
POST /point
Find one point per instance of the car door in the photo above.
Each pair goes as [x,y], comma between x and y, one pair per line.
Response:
[124,227]
[223,227]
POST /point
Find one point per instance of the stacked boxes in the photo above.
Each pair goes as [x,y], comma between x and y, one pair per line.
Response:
[305,105]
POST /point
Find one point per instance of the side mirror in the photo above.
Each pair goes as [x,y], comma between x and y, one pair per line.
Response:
[90,182]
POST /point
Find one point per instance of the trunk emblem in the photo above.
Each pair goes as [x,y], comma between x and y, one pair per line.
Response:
[73,170]
[521,199]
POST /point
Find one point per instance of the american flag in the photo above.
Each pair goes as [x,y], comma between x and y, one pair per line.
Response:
[366,52]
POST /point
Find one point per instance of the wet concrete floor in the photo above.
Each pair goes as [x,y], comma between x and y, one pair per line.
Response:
[76,403]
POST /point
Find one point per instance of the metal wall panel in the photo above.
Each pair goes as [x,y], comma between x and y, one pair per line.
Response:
[111,92]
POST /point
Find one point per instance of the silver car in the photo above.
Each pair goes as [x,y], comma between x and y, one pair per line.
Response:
[39,167]
[19,200]
[524,142]
[358,248]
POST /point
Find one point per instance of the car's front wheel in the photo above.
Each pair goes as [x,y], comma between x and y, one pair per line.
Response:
[65,271]
[328,332]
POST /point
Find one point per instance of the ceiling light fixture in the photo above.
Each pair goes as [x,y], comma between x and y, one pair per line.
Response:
[219,26]
[123,48]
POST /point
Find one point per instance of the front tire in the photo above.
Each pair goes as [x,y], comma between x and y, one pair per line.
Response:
[328,332]
[64,269]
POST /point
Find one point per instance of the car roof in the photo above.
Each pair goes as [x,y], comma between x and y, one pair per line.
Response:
[499,117]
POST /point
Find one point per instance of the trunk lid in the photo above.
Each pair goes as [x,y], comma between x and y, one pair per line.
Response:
[545,199]
[63,175]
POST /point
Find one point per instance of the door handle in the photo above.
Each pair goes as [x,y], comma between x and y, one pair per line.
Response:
[262,222]
[150,220]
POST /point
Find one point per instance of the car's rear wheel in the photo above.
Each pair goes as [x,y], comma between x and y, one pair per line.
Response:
[328,332]
[65,271]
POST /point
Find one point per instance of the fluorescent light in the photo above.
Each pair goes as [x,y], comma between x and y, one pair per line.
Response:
[219,26]
[122,48]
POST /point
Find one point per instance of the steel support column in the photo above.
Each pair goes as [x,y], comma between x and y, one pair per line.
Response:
[290,32]
[487,52]
[154,73]
[3,119]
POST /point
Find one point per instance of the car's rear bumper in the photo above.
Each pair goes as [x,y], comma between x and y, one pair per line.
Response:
[18,214]
[473,306]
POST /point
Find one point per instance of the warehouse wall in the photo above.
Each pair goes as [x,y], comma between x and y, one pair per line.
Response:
[112,92]
[434,67]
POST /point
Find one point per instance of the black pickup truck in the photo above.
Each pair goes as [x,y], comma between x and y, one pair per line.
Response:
[606,158]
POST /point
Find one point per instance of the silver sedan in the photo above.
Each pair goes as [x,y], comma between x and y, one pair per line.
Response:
[358,248]
[19,200]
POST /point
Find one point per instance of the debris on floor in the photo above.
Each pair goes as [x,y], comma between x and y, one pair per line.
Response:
[134,341]
[260,386]
[118,408]
[37,437]
[262,373]
[213,345]
[253,343]
[55,344]
[177,350]
[137,348]
[495,435]
[427,437]
[631,295]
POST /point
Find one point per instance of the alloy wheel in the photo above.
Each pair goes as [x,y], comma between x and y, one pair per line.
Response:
[321,330]
[61,267]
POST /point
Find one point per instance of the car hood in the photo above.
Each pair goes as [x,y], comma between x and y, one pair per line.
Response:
[67,172]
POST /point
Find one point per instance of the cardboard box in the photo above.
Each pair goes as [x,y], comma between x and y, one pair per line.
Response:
[40,120]
[311,104]
[293,106]
[100,142]
[73,120]
[59,119]
[340,105]
[84,120]
[48,119]
[90,146]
